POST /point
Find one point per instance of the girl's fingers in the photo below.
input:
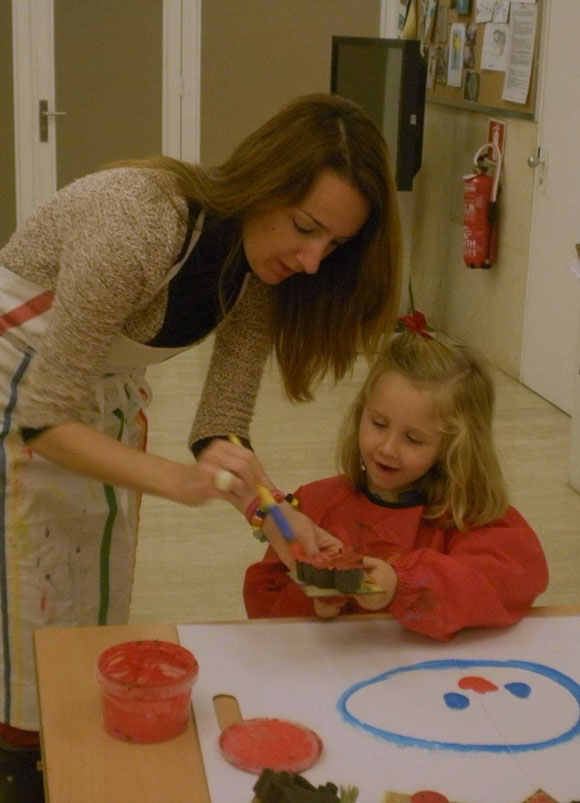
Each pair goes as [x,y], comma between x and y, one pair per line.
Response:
[372,602]
[325,611]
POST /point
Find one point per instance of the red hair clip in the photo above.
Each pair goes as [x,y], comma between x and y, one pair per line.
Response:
[415,321]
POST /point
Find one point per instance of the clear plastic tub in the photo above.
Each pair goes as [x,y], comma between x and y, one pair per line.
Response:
[146,690]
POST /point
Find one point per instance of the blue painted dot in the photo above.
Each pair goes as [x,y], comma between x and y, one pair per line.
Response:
[521,690]
[456,701]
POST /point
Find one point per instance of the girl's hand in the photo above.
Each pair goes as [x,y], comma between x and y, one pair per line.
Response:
[310,536]
[382,575]
[328,607]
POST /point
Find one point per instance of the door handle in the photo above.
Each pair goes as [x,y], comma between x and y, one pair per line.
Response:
[535,160]
[43,115]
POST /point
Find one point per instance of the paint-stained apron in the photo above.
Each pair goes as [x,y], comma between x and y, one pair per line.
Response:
[67,542]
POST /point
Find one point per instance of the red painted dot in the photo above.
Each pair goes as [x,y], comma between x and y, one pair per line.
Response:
[475,683]
[254,744]
[428,797]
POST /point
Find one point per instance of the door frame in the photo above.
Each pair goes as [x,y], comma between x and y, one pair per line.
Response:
[33,49]
[527,360]
[539,343]
[33,45]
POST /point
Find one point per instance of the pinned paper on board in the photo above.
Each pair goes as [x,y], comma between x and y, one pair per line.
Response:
[494,55]
[492,10]
[523,23]
[456,45]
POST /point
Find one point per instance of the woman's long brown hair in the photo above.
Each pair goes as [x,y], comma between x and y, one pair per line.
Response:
[319,322]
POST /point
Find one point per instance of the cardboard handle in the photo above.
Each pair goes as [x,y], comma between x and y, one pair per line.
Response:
[227,710]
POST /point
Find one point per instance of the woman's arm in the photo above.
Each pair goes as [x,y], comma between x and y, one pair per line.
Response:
[77,447]
[241,346]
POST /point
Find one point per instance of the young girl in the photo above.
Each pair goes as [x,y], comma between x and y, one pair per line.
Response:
[422,498]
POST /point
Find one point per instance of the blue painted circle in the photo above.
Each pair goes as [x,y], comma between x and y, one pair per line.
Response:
[405,741]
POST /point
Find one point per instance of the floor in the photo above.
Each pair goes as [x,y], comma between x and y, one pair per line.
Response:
[191,561]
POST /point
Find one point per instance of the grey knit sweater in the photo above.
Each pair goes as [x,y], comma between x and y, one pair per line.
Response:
[103,245]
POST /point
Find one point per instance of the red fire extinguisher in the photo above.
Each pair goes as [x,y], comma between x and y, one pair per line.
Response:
[480,212]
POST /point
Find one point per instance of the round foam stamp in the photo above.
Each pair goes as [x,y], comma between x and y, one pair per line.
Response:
[253,745]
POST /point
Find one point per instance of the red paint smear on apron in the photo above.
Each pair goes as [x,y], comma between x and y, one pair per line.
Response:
[480,685]
[428,797]
[280,745]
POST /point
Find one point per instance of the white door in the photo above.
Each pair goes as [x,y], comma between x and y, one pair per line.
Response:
[98,82]
[550,350]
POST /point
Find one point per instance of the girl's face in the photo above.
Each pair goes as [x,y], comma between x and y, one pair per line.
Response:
[399,435]
[286,240]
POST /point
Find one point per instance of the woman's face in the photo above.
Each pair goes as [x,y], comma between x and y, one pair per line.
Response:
[286,240]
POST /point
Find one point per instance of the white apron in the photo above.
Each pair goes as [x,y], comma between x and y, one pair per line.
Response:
[67,542]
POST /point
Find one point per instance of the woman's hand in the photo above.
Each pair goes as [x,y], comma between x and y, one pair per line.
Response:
[232,471]
[382,575]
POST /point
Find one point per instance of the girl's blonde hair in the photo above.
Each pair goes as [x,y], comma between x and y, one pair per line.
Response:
[319,322]
[465,487]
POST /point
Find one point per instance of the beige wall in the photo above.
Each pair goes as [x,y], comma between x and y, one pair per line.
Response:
[482,308]
[258,54]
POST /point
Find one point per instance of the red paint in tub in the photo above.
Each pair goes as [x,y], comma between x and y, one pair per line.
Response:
[428,797]
[146,690]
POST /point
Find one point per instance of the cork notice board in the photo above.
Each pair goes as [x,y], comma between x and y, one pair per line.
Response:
[488,84]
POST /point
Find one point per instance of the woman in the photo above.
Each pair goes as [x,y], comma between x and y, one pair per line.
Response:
[292,245]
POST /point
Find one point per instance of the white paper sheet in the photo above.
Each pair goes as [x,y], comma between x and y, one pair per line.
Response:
[455,61]
[494,54]
[523,36]
[492,10]
[352,682]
